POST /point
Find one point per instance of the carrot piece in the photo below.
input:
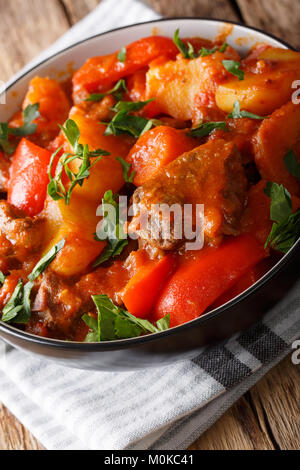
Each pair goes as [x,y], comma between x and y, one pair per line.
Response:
[143,288]
[54,107]
[100,72]
[200,281]
[155,149]
[136,86]
[28,181]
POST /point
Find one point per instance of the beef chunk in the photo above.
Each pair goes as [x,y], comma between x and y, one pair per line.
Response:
[211,174]
[20,235]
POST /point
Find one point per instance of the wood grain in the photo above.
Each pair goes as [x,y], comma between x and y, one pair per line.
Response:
[215,9]
[280,17]
[77,9]
[13,435]
[267,417]
[21,40]
[276,400]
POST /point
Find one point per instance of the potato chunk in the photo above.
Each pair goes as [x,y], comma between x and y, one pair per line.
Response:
[275,137]
[211,174]
[180,87]
[267,84]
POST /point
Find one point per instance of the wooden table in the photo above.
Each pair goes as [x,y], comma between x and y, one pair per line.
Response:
[267,417]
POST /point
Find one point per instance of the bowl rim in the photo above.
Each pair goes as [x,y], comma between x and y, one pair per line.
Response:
[10,330]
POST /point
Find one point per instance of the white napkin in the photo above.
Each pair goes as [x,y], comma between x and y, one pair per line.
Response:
[165,408]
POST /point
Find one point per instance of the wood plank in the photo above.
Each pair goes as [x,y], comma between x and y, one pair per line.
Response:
[13,435]
[77,9]
[206,8]
[267,417]
[276,400]
[238,429]
[279,17]
[21,40]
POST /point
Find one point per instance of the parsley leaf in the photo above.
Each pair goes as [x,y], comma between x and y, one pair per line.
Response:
[56,188]
[30,113]
[186,51]
[238,114]
[2,278]
[122,55]
[46,260]
[117,91]
[14,305]
[286,227]
[206,128]
[126,170]
[116,323]
[18,307]
[125,123]
[223,48]
[6,146]
[233,67]
[292,164]
[130,106]
[111,229]
[281,205]
[205,52]
[164,323]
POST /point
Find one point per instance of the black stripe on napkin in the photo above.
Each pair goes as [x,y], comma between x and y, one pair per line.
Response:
[262,343]
[223,366]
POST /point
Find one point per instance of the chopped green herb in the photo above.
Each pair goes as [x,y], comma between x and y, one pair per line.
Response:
[281,201]
[6,146]
[2,278]
[46,260]
[18,307]
[191,52]
[15,304]
[122,55]
[164,323]
[233,67]
[125,123]
[126,170]
[56,188]
[292,164]
[117,91]
[238,114]
[116,323]
[30,113]
[286,227]
[205,52]
[186,51]
[111,230]
[223,48]
[131,106]
[206,128]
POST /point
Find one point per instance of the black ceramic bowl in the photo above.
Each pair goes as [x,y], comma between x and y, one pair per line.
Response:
[184,341]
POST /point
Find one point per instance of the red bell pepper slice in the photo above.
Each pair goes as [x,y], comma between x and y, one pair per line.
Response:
[100,72]
[144,287]
[27,186]
[200,281]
